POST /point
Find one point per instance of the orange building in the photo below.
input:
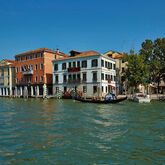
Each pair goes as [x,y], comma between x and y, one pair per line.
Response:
[34,72]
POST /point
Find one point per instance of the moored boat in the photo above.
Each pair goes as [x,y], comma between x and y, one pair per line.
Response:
[141,98]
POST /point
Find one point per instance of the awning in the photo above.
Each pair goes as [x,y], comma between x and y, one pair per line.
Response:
[154,86]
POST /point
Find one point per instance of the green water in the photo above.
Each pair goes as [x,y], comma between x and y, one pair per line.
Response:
[66,132]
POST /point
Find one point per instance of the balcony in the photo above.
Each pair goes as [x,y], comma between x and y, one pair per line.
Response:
[94,80]
[27,72]
[83,80]
[24,83]
[109,81]
[76,81]
[56,82]
[74,69]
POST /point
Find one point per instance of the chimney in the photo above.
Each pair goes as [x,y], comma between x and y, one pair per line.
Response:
[57,51]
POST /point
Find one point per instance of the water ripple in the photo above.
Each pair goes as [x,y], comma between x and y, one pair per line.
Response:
[65,132]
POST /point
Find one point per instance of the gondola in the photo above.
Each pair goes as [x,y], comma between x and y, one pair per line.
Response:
[100,101]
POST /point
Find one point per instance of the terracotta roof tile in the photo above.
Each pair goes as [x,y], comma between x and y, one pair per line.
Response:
[40,50]
[81,54]
[114,55]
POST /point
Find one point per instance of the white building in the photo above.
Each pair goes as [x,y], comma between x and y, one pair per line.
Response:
[89,73]
[7,77]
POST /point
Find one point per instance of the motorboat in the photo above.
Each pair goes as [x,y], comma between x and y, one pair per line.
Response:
[141,98]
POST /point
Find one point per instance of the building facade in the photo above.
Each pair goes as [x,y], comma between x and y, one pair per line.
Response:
[120,69]
[34,72]
[7,77]
[89,73]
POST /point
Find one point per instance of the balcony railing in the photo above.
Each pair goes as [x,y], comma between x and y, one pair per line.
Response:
[84,81]
[27,72]
[74,69]
[24,83]
[94,79]
[70,81]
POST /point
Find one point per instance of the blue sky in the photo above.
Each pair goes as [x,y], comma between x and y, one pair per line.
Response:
[99,25]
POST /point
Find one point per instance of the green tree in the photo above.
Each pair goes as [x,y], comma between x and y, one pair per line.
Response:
[136,71]
[153,54]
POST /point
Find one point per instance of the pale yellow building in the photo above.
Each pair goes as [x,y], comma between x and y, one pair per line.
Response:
[7,77]
[120,68]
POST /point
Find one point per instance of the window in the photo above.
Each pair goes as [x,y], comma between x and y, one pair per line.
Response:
[70,64]
[65,89]
[63,66]
[41,79]
[106,89]
[94,63]
[69,78]
[35,55]
[102,88]
[64,78]
[41,66]
[84,89]
[106,64]
[38,55]
[94,89]
[56,79]
[102,76]
[114,66]
[106,77]
[94,76]
[109,65]
[22,68]
[78,63]
[111,77]
[55,67]
[74,76]
[36,67]
[78,77]
[74,64]
[84,64]
[36,79]
[30,67]
[102,63]
[84,77]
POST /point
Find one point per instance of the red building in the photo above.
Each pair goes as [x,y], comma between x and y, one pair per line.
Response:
[34,72]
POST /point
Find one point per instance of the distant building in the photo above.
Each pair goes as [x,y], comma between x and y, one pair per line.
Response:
[7,77]
[120,69]
[89,73]
[34,72]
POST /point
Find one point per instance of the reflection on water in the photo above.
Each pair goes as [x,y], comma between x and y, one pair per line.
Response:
[36,131]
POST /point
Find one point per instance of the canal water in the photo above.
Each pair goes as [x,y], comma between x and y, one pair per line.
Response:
[67,132]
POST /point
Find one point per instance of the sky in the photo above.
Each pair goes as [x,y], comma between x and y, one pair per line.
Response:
[81,25]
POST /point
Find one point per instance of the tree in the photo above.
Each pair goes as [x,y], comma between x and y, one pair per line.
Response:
[136,71]
[154,57]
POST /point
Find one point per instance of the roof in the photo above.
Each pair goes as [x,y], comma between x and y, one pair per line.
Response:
[114,54]
[40,50]
[88,53]
[81,54]
[6,62]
